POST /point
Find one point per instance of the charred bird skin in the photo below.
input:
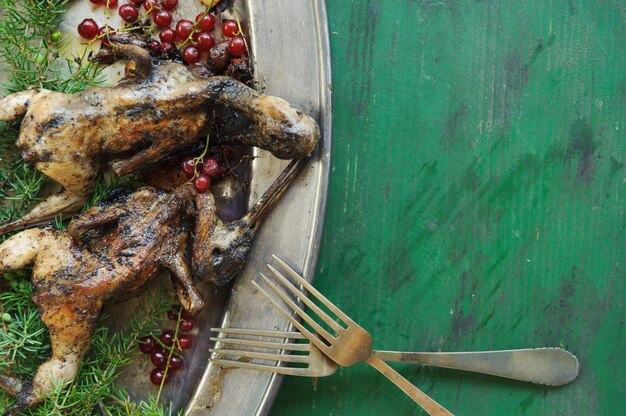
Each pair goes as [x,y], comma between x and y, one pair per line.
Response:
[78,270]
[156,111]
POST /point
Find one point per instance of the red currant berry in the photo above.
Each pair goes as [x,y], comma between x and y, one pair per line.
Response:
[189,167]
[211,167]
[111,4]
[205,41]
[169,4]
[157,377]
[88,29]
[176,363]
[168,35]
[162,18]
[230,28]
[103,33]
[146,344]
[159,359]
[184,341]
[157,347]
[191,55]
[184,28]
[186,316]
[154,45]
[96,1]
[151,5]
[167,338]
[172,314]
[129,13]
[205,22]
[168,48]
[186,325]
[202,183]
[237,46]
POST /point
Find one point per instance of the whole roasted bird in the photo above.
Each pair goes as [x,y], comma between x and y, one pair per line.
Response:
[112,251]
[157,110]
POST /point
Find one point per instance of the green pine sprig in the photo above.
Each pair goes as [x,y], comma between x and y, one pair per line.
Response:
[30,47]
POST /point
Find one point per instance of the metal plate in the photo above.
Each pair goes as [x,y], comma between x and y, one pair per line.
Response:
[292,61]
[289,42]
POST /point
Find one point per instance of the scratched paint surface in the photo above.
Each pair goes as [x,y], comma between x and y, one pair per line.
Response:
[477,199]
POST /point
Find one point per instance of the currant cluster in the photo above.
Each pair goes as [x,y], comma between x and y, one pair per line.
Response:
[165,350]
[192,39]
[210,166]
[195,38]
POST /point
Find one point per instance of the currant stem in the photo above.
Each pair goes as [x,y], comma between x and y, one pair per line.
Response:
[200,158]
[171,351]
[195,26]
[243,35]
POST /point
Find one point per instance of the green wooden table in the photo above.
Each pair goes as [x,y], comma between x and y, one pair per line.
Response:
[477,199]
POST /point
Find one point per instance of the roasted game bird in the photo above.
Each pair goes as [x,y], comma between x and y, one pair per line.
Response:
[157,110]
[111,251]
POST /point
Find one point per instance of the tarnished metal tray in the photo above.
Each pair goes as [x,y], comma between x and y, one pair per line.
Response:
[291,60]
[290,51]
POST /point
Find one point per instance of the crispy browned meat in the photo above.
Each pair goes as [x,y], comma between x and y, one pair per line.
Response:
[220,248]
[73,279]
[154,113]
[111,251]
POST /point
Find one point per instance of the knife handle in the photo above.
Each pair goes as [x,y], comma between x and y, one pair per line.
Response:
[549,366]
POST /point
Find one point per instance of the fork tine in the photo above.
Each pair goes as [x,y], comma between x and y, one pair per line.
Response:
[315,340]
[313,291]
[259,333]
[308,302]
[286,358]
[288,371]
[301,313]
[264,344]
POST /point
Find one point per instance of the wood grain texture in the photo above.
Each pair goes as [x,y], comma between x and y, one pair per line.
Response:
[477,199]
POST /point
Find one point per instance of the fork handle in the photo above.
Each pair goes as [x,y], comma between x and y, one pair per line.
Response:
[428,404]
[550,366]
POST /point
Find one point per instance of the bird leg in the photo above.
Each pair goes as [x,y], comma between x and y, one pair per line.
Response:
[283,130]
[162,148]
[95,217]
[76,178]
[15,105]
[220,249]
[140,64]
[63,202]
[19,251]
[71,324]
[188,294]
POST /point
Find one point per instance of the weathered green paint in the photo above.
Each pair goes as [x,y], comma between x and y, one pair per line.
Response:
[477,199]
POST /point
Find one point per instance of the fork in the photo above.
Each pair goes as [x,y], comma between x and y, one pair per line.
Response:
[306,361]
[348,345]
[547,366]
